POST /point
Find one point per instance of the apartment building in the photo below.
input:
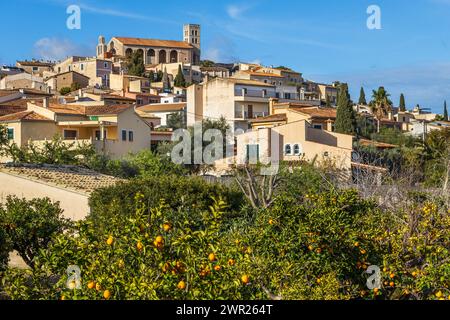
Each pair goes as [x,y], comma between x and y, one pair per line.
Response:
[237,100]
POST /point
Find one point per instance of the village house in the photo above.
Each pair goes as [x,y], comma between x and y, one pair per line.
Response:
[113,130]
[295,141]
[66,80]
[35,67]
[97,70]
[23,81]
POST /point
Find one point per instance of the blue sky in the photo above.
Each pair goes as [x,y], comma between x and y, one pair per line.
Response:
[326,40]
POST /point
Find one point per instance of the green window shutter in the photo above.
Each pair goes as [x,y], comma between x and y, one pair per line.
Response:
[10,133]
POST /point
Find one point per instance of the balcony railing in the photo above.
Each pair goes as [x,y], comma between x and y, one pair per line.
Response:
[254,93]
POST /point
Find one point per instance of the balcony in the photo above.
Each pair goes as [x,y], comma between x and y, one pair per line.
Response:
[253,95]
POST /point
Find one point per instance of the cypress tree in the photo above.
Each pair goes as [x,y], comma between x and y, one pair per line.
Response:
[345,116]
[179,79]
[446,117]
[327,101]
[166,82]
[402,103]
[362,97]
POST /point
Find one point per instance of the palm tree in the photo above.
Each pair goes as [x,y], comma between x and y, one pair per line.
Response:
[380,105]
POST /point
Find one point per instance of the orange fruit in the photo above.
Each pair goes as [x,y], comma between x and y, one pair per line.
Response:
[363,251]
[356,244]
[91,285]
[159,239]
[310,248]
[414,274]
[106,294]
[392,284]
[217,268]
[271,222]
[212,257]
[392,276]
[63,298]
[376,290]
[98,287]
[231,262]
[245,279]
[439,294]
[318,250]
[139,246]
[110,240]
[181,285]
[167,227]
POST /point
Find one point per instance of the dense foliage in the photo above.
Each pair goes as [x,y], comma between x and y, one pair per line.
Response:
[314,242]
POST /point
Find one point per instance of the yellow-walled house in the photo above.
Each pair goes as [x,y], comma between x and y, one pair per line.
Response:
[294,132]
[113,130]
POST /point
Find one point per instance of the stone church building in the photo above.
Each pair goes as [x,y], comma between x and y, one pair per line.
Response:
[156,51]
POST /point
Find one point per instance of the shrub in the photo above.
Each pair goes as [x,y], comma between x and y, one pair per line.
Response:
[30,225]
[177,191]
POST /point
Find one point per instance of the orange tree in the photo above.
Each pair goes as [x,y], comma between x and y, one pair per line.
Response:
[164,255]
[305,246]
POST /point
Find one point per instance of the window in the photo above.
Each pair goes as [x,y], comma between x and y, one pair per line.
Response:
[10,133]
[82,66]
[318,126]
[288,150]
[106,64]
[97,135]
[70,134]
[252,155]
[296,149]
[124,135]
[35,68]
[287,96]
[130,136]
[139,101]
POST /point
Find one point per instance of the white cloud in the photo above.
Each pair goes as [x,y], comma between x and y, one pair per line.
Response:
[235,11]
[57,49]
[220,49]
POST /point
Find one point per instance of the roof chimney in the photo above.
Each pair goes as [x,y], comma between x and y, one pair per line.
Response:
[272,101]
[45,102]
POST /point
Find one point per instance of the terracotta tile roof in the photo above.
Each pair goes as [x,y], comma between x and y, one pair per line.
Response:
[162,107]
[25,115]
[294,105]
[64,109]
[271,118]
[153,43]
[316,112]
[113,96]
[106,110]
[367,143]
[264,74]
[35,63]
[17,103]
[63,73]
[5,93]
[5,110]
